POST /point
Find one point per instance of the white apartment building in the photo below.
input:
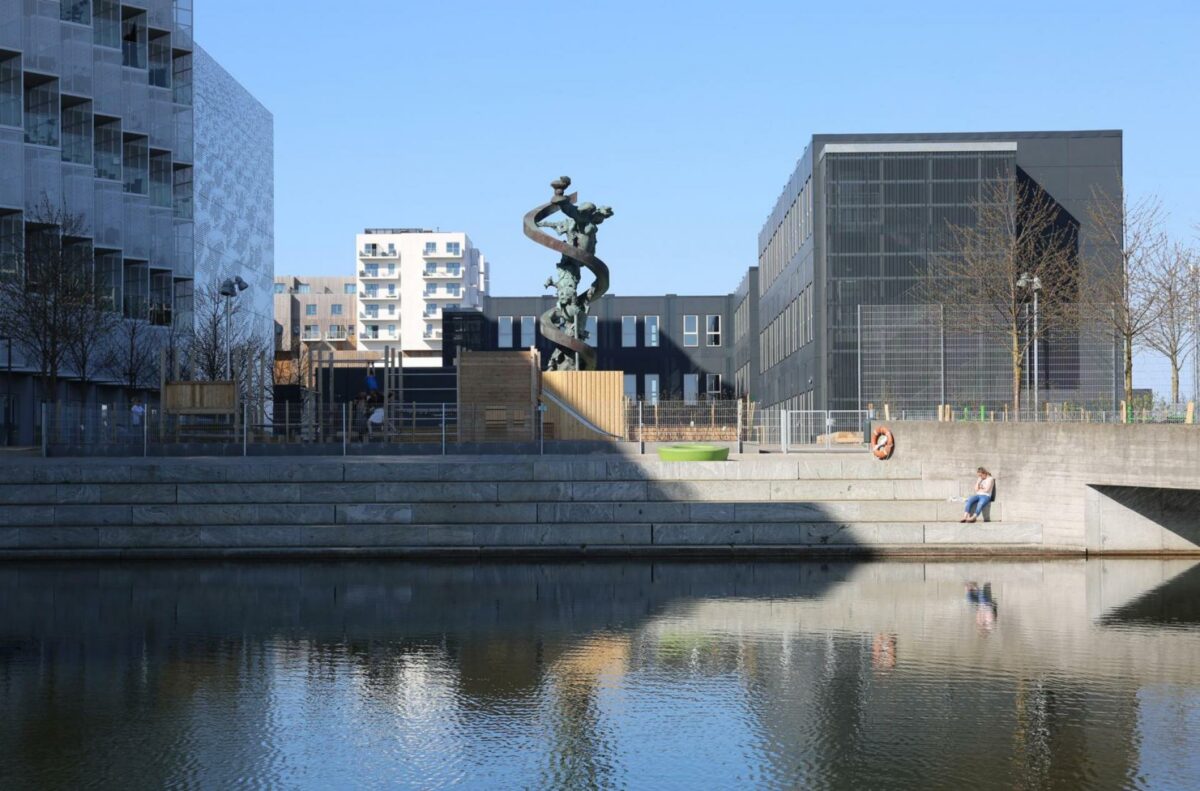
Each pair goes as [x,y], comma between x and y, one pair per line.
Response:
[406,278]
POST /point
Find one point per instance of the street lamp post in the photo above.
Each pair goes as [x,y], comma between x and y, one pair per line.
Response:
[1034,283]
[230,288]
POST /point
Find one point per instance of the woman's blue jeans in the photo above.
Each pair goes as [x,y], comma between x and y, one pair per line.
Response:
[976,504]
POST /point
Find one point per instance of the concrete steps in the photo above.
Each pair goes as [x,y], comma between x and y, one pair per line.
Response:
[838,501]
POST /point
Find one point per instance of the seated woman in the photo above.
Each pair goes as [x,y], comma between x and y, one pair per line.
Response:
[985,487]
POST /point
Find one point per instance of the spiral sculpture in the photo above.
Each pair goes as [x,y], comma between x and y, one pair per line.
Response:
[565,324]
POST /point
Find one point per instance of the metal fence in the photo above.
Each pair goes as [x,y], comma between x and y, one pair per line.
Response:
[358,428]
[916,357]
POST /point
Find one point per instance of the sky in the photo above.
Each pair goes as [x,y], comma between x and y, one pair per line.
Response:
[686,118]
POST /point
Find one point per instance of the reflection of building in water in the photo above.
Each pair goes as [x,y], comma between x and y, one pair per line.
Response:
[210,656]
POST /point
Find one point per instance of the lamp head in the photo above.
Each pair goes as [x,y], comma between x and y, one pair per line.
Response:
[228,289]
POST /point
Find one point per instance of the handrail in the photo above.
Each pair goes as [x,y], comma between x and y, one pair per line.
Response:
[589,425]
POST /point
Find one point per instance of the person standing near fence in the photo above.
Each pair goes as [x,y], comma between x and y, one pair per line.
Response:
[985,488]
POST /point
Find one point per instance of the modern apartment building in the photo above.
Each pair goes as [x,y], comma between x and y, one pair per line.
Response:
[315,312]
[110,114]
[407,277]
[855,228]
[670,347]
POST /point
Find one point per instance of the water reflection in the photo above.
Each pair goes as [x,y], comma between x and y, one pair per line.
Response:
[601,675]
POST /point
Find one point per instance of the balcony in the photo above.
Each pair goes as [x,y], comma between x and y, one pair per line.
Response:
[392,295]
[442,253]
[372,274]
[441,273]
[311,336]
[450,296]
[432,316]
[335,336]
[435,335]
[375,252]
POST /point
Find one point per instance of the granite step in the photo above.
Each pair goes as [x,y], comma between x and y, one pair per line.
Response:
[516,535]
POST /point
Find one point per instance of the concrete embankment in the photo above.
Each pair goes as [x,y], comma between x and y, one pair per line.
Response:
[1102,488]
[592,505]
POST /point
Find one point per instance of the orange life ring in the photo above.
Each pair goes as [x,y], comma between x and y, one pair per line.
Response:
[882,442]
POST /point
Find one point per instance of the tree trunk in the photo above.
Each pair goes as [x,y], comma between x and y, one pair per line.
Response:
[1174,359]
[1016,373]
[1128,372]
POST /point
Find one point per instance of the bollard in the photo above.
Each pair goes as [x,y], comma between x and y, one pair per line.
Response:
[45,431]
[146,435]
[345,433]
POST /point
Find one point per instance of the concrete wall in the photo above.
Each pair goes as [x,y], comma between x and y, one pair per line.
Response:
[1064,476]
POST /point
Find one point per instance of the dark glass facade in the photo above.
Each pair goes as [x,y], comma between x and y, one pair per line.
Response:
[888,214]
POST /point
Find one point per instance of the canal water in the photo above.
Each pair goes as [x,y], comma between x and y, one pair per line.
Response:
[1055,674]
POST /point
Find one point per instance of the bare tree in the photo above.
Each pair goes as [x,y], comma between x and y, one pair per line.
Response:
[135,354]
[51,300]
[90,347]
[1019,237]
[1118,289]
[218,340]
[1172,331]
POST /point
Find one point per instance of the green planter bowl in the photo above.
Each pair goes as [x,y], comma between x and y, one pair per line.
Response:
[693,453]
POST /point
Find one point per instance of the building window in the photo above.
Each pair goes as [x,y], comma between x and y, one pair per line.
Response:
[77,11]
[430,289]
[391,289]
[391,329]
[628,331]
[107,148]
[160,60]
[391,308]
[527,331]
[12,242]
[133,38]
[712,385]
[162,186]
[335,332]
[372,311]
[312,332]
[181,78]
[10,89]
[106,23]
[350,288]
[302,288]
[136,164]
[505,339]
[372,332]
[430,248]
[108,280]
[136,288]
[630,383]
[453,248]
[77,130]
[592,328]
[651,388]
[161,298]
[454,269]
[651,330]
[181,176]
[712,328]
[428,330]
[336,309]
[691,330]
[41,110]
[371,271]
[280,288]
[310,310]
[691,388]
[454,289]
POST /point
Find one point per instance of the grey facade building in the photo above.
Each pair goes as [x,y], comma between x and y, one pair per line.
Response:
[857,224]
[235,194]
[669,347]
[108,112]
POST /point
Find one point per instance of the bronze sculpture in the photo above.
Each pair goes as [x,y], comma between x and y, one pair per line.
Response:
[565,324]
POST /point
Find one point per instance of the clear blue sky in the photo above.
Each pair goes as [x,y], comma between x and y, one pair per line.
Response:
[686,118]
